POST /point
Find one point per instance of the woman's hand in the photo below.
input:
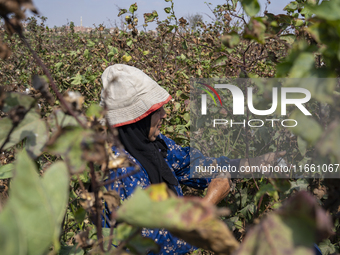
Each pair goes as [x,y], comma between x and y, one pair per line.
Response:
[219,188]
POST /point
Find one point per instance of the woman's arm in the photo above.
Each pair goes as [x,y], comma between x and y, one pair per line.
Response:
[218,189]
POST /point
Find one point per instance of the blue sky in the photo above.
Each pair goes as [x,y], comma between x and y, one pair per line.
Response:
[59,12]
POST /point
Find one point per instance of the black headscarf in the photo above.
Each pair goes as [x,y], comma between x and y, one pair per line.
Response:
[151,155]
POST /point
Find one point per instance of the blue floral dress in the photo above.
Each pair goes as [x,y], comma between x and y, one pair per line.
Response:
[178,159]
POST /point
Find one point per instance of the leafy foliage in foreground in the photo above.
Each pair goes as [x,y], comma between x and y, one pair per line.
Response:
[232,46]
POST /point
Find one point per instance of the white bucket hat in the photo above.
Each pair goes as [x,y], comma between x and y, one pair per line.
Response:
[130,95]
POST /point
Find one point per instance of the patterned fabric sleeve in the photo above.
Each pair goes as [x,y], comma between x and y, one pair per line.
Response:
[179,160]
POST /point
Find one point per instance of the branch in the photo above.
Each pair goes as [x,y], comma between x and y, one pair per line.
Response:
[97,204]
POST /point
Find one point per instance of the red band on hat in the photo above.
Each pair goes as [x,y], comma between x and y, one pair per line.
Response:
[152,109]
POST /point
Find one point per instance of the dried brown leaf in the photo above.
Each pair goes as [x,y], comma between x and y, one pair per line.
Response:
[112,199]
[83,239]
[74,99]
[87,200]
[118,162]
[183,22]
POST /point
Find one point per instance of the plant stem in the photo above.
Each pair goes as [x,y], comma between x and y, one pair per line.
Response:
[97,202]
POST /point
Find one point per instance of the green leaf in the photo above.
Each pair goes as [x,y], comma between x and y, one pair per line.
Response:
[39,210]
[77,80]
[6,171]
[186,117]
[170,28]
[327,247]
[95,110]
[257,239]
[241,198]
[300,61]
[184,75]
[177,106]
[90,44]
[104,60]
[329,144]
[189,219]
[59,118]
[263,133]
[320,89]
[80,214]
[251,7]
[58,66]
[322,32]
[248,212]
[306,13]
[149,17]
[170,129]
[73,53]
[303,65]
[129,42]
[70,250]
[32,128]
[290,230]
[266,189]
[328,10]
[255,30]
[91,78]
[69,146]
[221,60]
[133,8]
[291,7]
[280,184]
[302,144]
[298,185]
[86,53]
[308,128]
[114,50]
[12,239]
[138,244]
[298,22]
[185,44]
[14,99]
[167,9]
[289,38]
[234,4]
[232,222]
[55,181]
[126,58]
[231,40]
[121,12]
